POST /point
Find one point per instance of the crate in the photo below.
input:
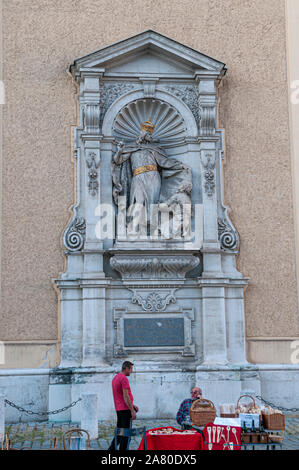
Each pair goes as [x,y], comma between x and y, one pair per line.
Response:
[202,412]
[275,422]
[229,415]
[254,438]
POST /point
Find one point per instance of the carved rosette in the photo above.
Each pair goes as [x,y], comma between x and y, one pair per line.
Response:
[153,302]
[154,267]
[228,237]
[75,235]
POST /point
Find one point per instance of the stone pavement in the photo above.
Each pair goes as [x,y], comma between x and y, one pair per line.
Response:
[41,435]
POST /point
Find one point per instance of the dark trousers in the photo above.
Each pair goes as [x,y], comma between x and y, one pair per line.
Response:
[123,421]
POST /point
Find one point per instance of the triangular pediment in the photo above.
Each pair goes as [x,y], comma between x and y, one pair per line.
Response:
[149,52]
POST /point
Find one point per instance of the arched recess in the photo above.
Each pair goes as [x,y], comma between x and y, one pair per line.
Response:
[164,96]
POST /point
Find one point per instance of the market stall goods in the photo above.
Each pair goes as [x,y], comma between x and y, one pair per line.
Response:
[273,419]
[166,431]
[249,408]
[172,439]
[202,411]
[228,410]
[219,437]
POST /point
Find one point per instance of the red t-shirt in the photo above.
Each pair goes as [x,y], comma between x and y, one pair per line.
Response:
[119,383]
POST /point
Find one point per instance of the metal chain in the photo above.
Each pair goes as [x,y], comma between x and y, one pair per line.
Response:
[281,408]
[29,412]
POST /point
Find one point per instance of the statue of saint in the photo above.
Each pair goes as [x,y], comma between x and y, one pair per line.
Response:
[146,176]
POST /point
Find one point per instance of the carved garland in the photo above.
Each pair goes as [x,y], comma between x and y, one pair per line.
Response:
[153,302]
[93,165]
[209,175]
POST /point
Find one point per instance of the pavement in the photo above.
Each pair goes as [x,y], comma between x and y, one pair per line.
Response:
[41,435]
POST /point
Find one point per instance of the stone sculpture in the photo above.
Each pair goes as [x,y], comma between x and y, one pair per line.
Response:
[145,176]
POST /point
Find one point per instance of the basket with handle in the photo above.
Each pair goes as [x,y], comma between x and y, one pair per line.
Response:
[249,396]
[252,409]
[202,412]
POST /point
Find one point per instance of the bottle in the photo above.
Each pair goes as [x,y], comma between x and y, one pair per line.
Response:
[253,427]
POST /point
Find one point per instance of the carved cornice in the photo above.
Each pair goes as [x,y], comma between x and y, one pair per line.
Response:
[154,266]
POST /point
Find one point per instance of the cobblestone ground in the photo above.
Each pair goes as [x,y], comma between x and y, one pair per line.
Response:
[42,435]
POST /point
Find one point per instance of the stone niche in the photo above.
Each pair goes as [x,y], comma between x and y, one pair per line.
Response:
[171,297]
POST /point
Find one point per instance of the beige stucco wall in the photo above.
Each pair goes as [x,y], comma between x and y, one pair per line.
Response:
[41,39]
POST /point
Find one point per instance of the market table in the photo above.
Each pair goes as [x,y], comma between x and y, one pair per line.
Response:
[179,441]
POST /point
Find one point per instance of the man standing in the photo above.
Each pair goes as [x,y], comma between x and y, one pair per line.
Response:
[123,402]
[184,410]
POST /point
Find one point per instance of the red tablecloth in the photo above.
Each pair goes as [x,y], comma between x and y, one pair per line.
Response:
[219,437]
[172,441]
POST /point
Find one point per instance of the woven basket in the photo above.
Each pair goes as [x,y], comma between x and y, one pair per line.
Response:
[202,412]
[275,422]
[249,396]
[274,438]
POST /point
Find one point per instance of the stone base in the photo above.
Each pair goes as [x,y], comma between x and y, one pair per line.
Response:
[158,391]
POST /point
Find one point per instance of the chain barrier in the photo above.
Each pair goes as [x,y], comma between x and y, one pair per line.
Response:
[29,412]
[281,408]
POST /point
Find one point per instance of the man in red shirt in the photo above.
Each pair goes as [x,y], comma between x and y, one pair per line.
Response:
[124,403]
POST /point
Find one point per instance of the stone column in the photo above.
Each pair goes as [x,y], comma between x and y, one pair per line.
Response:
[89,142]
[214,327]
[89,414]
[71,323]
[93,291]
[213,298]
[235,322]
[94,323]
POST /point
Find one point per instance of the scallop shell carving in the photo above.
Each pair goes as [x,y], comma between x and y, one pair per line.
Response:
[169,124]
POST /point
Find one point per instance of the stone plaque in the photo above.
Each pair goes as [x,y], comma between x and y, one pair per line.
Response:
[154,332]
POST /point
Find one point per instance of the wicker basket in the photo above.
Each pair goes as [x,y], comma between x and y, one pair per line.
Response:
[249,396]
[275,422]
[202,412]
[275,438]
